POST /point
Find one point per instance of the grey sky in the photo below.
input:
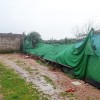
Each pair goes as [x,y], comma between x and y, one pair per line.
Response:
[51,18]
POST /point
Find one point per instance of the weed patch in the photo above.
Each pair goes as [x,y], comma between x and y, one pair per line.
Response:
[42,63]
[69,95]
[49,81]
[13,87]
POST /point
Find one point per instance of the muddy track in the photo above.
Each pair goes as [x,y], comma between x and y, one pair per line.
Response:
[54,83]
[38,80]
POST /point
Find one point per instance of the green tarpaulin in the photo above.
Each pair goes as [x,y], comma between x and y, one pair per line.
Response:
[83,57]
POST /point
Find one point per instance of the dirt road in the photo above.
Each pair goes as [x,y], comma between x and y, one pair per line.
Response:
[54,83]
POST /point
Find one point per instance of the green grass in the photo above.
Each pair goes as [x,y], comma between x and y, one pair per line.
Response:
[13,87]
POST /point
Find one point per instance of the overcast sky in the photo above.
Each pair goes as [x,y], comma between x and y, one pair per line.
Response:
[51,18]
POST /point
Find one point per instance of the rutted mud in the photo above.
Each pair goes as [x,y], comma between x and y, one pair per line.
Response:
[38,80]
[33,72]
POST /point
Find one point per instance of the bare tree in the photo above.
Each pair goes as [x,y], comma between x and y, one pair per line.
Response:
[81,32]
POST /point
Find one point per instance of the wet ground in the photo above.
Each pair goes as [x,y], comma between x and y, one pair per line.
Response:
[54,83]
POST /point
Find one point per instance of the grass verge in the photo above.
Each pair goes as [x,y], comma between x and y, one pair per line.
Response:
[13,87]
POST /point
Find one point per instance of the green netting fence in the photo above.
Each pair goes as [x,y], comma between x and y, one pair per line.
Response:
[82,57]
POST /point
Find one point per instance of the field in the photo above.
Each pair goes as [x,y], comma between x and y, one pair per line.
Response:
[23,78]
